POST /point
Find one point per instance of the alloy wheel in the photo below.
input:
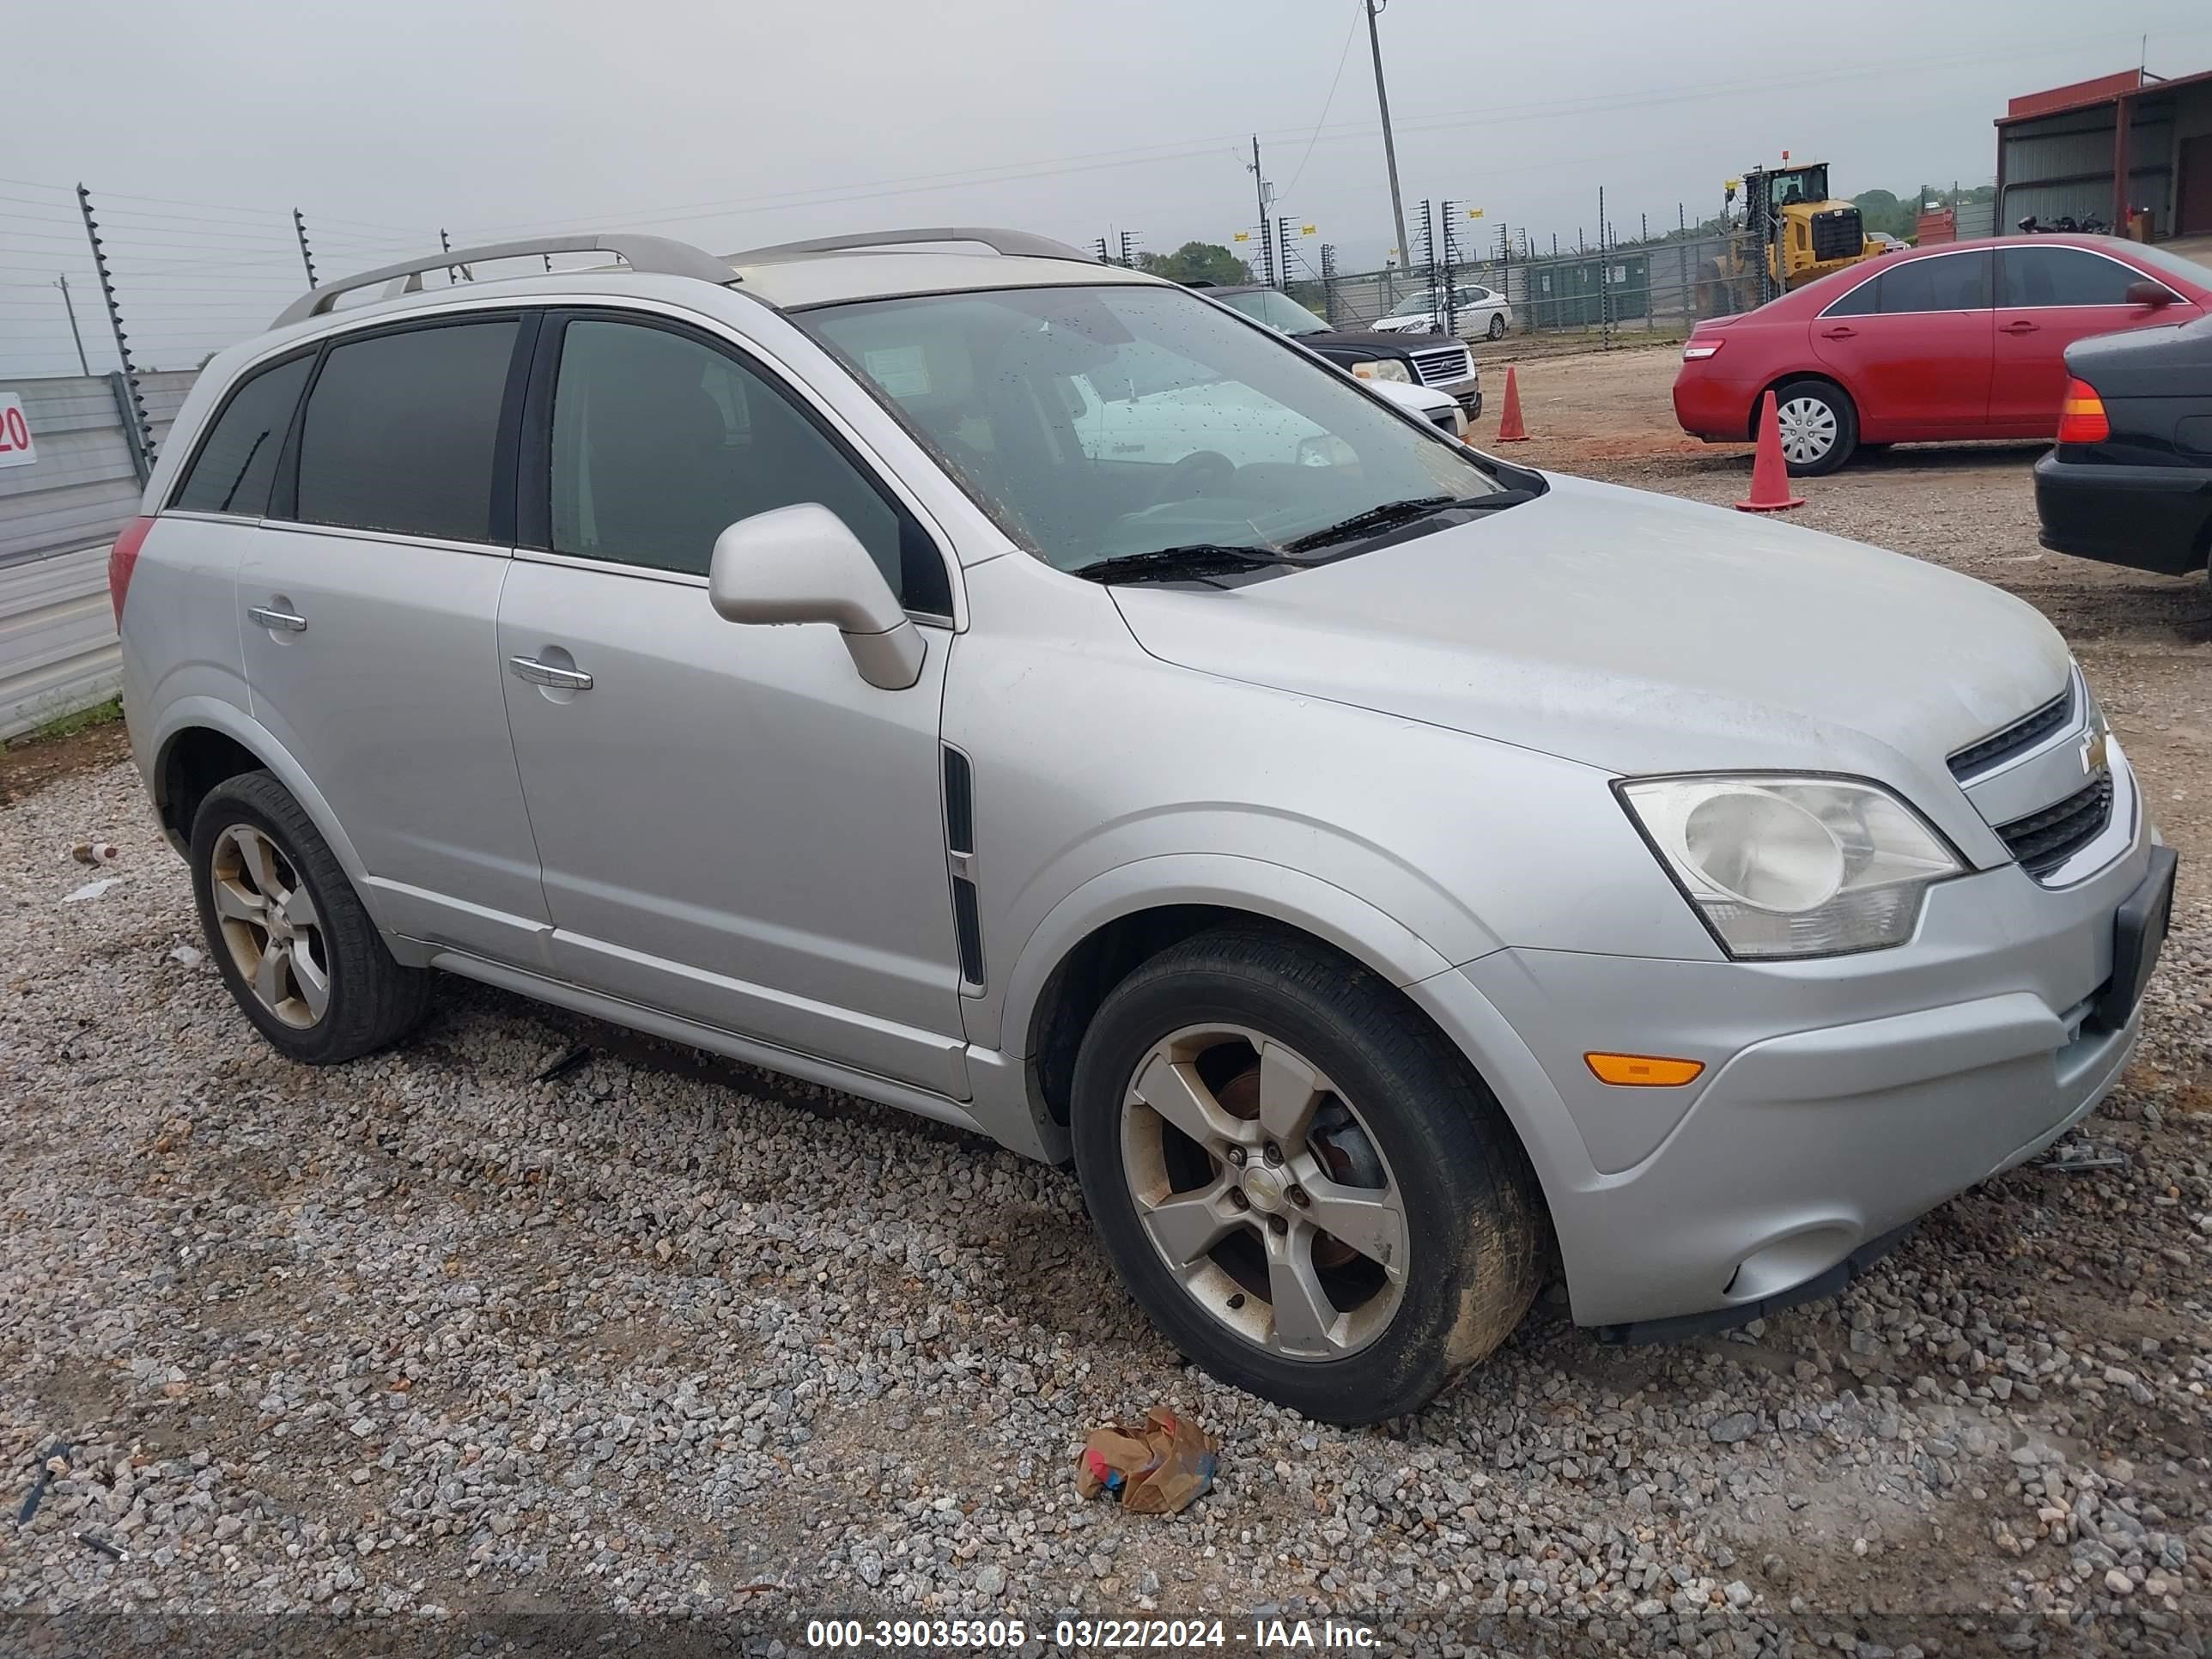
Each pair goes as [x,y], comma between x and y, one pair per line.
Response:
[1264,1191]
[271,925]
[1808,430]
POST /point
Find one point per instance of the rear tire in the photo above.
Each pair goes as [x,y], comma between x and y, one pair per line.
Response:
[1819,427]
[1498,325]
[1347,1330]
[298,952]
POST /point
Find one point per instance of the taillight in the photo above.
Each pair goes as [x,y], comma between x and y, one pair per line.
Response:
[122,560]
[2082,415]
[1698,349]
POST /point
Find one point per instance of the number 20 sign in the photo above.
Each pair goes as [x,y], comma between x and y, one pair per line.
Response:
[16,448]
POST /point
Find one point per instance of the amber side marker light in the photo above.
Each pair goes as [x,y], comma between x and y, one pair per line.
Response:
[1644,1071]
[2082,415]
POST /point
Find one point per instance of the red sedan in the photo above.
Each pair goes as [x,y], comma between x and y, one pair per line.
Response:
[1966,340]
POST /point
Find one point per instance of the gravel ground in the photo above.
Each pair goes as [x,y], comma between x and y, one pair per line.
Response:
[674,1340]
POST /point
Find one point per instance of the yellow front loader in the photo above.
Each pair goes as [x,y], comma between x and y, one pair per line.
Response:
[1792,233]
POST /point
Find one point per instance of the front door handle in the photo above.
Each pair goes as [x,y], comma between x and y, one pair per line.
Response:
[285,620]
[2019,325]
[546,673]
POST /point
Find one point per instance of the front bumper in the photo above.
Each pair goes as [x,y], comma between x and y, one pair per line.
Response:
[2149,518]
[1841,1099]
[1467,394]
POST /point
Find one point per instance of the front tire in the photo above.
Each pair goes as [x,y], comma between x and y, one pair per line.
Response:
[300,955]
[1819,427]
[1300,1181]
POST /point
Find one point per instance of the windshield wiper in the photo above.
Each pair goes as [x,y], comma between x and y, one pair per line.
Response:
[1391,514]
[1195,560]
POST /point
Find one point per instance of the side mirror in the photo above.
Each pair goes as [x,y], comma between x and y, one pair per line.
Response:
[2147,293]
[800,564]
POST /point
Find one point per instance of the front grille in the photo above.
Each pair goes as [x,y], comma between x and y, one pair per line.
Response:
[1837,234]
[2020,736]
[2043,841]
[1442,366]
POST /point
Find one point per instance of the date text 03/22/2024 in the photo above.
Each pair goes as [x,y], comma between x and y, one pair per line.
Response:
[1259,1636]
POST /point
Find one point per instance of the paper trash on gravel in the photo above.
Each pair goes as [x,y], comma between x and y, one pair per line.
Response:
[92,890]
[1157,1466]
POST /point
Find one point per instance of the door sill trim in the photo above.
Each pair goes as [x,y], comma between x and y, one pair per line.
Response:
[767,1055]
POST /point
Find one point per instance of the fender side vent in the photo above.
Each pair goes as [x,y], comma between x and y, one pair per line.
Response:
[959,803]
[960,855]
[969,927]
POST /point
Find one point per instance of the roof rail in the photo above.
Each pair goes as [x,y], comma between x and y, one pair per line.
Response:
[654,255]
[999,241]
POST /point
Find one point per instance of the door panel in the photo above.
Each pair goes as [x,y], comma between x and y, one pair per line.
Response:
[369,603]
[732,824]
[2047,299]
[387,692]
[1914,348]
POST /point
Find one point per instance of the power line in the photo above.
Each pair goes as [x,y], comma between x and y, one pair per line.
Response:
[1343,57]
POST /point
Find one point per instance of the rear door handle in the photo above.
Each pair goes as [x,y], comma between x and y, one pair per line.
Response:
[284,620]
[546,673]
[2019,325]
[1839,332]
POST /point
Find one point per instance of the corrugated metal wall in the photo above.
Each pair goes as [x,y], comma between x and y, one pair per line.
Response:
[58,649]
[83,486]
[58,652]
[2061,165]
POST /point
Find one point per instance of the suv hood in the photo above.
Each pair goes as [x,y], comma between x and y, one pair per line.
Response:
[1642,634]
[1373,341]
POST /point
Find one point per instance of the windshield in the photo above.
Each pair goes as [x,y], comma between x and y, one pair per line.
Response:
[1416,305]
[1095,423]
[1279,311]
[2167,263]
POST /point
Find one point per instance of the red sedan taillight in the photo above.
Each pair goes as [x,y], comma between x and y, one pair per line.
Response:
[1700,347]
[2082,415]
[122,560]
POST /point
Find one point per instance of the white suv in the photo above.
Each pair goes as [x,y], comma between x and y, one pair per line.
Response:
[1377,866]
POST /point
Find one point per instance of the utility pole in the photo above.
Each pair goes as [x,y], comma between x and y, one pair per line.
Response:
[1129,249]
[1260,194]
[70,306]
[1389,143]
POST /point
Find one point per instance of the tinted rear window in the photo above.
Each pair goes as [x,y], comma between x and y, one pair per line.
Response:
[231,472]
[1952,281]
[401,429]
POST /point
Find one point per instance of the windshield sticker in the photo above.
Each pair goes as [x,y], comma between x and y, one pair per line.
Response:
[902,371]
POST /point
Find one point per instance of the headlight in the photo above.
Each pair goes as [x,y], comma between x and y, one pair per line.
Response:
[1781,866]
[1386,368]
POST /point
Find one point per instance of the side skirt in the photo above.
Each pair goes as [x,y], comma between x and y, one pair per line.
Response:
[768,1056]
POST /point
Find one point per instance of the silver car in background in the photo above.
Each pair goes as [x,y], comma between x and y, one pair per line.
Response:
[1028,694]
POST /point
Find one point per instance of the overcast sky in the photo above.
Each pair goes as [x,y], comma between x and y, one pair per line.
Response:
[198,127]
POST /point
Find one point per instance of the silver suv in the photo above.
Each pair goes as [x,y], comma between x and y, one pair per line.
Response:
[1032,695]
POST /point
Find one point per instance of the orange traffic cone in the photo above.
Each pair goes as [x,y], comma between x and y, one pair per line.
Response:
[1510,429]
[1770,476]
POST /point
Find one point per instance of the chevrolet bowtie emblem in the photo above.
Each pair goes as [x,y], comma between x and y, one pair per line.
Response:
[2093,754]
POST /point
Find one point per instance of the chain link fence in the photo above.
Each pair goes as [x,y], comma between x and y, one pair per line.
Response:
[1637,291]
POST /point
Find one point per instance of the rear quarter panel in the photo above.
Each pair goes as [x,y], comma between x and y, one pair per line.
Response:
[179,626]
